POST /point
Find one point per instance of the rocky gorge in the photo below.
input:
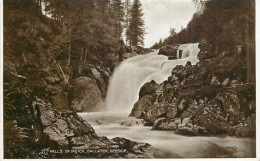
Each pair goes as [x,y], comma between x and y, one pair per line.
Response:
[73,88]
[208,98]
[43,132]
[47,126]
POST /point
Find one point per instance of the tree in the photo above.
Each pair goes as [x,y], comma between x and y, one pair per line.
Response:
[118,16]
[172,31]
[135,32]
[127,16]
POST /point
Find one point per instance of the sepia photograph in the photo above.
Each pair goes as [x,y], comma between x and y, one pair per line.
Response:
[129,79]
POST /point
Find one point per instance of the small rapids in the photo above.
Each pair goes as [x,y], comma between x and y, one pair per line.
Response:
[123,92]
[134,72]
[167,143]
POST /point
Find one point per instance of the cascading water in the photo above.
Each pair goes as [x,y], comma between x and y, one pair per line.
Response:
[134,72]
[123,92]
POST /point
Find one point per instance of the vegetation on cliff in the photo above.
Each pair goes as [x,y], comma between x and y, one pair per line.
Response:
[48,44]
[217,95]
[226,25]
[54,42]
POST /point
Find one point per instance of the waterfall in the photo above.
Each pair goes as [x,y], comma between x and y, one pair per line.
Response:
[133,73]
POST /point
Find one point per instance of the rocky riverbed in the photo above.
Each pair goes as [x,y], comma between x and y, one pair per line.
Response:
[167,143]
[211,97]
[35,129]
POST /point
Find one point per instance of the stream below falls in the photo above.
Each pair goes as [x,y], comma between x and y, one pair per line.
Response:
[123,92]
[168,143]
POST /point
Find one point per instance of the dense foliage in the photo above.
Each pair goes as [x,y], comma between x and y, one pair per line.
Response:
[46,45]
[60,36]
[225,24]
[221,23]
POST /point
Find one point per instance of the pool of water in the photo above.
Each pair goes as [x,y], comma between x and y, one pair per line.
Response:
[171,144]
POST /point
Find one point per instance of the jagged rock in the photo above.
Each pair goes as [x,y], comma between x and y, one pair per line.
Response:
[164,124]
[84,95]
[231,105]
[245,128]
[172,108]
[142,105]
[148,88]
[156,111]
[101,75]
[183,127]
[191,130]
[205,53]
[183,104]
[69,131]
[212,94]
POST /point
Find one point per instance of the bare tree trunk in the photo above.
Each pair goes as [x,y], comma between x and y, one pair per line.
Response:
[64,77]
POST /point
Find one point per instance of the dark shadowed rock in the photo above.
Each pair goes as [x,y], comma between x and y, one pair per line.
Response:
[84,95]
[170,51]
[148,88]
[191,130]
[60,101]
[142,105]
[69,131]
[212,94]
[180,126]
[244,129]
[100,74]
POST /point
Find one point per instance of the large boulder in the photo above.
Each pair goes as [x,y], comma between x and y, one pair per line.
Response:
[170,51]
[60,101]
[205,53]
[42,132]
[84,95]
[141,50]
[100,74]
[140,107]
[213,94]
[70,132]
[148,88]
[180,126]
[246,128]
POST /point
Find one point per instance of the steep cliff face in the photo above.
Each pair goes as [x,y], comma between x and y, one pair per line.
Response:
[34,129]
[207,98]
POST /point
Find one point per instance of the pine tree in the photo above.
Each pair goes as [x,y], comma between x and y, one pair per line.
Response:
[118,16]
[127,16]
[135,32]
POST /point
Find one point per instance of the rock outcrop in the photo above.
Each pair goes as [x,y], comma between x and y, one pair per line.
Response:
[70,132]
[84,95]
[170,51]
[212,95]
[33,128]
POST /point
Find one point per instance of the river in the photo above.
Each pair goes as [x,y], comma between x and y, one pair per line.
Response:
[168,143]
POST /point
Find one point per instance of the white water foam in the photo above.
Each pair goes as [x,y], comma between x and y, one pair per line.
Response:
[134,72]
